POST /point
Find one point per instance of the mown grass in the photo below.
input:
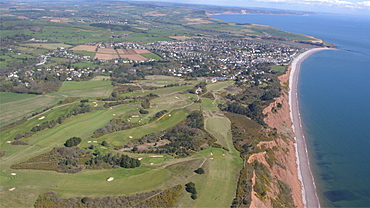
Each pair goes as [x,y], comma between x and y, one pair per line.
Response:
[207,104]
[217,187]
[151,56]
[10,97]
[72,85]
[219,85]
[52,46]
[120,138]
[164,172]
[159,91]
[278,68]
[93,88]
[23,106]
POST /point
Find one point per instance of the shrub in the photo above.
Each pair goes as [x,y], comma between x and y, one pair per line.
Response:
[199,171]
[142,111]
[74,141]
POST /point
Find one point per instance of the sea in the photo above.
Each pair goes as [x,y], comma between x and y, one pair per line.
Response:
[334,99]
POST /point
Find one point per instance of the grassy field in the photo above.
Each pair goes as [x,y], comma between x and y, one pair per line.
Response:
[19,106]
[218,186]
[155,173]
[159,91]
[208,104]
[51,46]
[160,172]
[277,68]
[96,87]
[16,106]
[151,56]
[6,97]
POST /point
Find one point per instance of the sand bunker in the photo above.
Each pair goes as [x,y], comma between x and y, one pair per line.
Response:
[110,179]
[156,156]
[13,174]
[12,189]
[41,117]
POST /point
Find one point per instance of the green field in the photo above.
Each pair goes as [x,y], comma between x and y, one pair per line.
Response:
[10,97]
[151,56]
[96,87]
[278,68]
[52,46]
[208,104]
[20,106]
[156,172]
[159,91]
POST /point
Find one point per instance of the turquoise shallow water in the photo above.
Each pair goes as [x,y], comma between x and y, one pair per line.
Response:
[334,95]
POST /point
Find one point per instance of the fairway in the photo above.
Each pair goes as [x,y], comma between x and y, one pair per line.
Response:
[218,186]
[208,104]
[159,91]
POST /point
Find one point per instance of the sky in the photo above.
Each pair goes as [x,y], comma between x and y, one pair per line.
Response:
[332,6]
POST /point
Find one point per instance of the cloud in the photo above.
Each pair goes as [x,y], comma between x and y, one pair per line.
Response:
[330,3]
[364,3]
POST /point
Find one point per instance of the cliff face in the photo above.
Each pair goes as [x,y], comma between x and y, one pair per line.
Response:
[279,157]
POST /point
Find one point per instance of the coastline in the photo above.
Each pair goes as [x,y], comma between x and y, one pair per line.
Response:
[309,193]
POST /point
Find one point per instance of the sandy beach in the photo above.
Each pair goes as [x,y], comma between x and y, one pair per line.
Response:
[309,193]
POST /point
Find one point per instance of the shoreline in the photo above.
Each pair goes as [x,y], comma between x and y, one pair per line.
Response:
[305,175]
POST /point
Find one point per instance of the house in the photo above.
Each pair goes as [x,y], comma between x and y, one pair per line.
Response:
[212,80]
[199,90]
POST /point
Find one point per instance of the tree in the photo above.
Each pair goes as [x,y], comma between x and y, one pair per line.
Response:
[142,111]
[190,187]
[105,143]
[199,171]
[74,141]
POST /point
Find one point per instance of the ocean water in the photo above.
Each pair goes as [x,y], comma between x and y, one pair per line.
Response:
[334,96]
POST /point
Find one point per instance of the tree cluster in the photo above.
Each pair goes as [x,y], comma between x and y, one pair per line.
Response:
[253,110]
[190,188]
[158,115]
[74,159]
[74,141]
[182,140]
[62,159]
[112,161]
[157,198]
